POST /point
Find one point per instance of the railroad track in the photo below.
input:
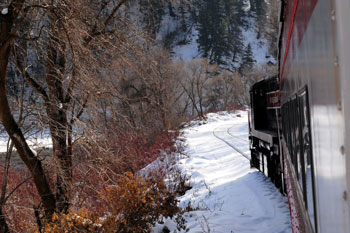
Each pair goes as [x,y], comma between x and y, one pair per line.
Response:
[230,145]
[241,139]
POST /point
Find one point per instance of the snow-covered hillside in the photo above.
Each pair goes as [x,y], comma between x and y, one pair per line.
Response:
[190,51]
[229,195]
[181,29]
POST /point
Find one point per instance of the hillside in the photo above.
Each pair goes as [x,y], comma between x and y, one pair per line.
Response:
[94,91]
[228,33]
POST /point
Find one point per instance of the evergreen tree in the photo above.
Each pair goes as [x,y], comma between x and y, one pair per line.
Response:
[237,21]
[247,59]
[211,38]
[220,25]
[220,31]
[259,10]
[153,12]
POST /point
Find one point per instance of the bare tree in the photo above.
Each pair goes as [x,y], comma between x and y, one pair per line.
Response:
[60,38]
[143,93]
[257,73]
[84,59]
[3,224]
[23,105]
[196,82]
[9,28]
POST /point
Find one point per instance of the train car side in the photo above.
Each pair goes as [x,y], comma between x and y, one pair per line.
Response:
[313,117]
[310,132]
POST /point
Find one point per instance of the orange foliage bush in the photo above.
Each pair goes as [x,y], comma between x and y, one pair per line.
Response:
[135,204]
[72,222]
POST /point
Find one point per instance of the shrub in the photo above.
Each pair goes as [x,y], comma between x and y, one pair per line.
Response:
[18,209]
[100,164]
[72,222]
[136,204]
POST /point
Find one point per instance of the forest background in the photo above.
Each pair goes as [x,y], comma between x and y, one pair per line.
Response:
[109,84]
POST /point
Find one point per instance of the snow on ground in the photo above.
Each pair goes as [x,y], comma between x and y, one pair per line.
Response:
[229,195]
[34,142]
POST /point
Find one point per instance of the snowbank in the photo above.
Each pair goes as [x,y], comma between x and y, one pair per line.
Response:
[227,195]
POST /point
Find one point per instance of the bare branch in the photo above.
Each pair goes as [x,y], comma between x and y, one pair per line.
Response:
[36,86]
[15,37]
[81,111]
[39,89]
[114,11]
[6,170]
[17,187]
[27,8]
[94,32]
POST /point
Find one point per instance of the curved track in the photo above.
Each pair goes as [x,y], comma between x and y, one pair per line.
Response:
[230,145]
[241,139]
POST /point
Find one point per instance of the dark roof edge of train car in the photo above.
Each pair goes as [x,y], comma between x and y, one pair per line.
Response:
[258,83]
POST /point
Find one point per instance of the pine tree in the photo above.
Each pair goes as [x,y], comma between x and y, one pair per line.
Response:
[220,26]
[153,12]
[211,31]
[247,59]
[259,10]
[236,23]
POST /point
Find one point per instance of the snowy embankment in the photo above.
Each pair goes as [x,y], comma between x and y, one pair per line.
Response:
[228,196]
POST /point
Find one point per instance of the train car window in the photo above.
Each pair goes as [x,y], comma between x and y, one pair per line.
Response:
[290,129]
[308,172]
[299,158]
[291,132]
[297,134]
[286,125]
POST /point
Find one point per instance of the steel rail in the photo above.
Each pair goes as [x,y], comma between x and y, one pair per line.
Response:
[228,131]
[230,145]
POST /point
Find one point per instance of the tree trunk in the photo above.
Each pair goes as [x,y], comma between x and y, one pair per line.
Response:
[3,225]
[56,109]
[60,133]
[33,164]
[16,135]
